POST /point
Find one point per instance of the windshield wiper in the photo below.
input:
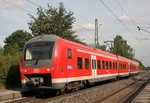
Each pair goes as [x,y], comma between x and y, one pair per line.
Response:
[36,62]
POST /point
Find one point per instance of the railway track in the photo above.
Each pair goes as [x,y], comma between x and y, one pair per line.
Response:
[96,94]
[126,94]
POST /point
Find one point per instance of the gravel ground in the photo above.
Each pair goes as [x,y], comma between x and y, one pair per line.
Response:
[90,95]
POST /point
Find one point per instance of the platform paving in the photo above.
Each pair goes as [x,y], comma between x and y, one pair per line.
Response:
[143,96]
[7,94]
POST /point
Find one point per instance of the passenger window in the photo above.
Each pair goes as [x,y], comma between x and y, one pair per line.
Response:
[99,64]
[113,65]
[119,66]
[103,64]
[79,61]
[116,65]
[110,64]
[106,64]
[87,66]
[69,51]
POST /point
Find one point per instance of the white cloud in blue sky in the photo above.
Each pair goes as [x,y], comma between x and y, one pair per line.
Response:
[133,13]
[9,4]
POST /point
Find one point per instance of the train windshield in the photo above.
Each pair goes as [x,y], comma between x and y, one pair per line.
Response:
[39,51]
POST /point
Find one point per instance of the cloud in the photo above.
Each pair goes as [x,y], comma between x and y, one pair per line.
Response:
[133,19]
[9,4]
[85,31]
[88,26]
[85,27]
[126,18]
[143,22]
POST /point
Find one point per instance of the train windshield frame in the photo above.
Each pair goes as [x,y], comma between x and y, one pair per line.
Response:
[38,51]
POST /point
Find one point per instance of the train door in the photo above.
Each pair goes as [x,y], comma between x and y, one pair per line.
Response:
[69,62]
[94,71]
[129,68]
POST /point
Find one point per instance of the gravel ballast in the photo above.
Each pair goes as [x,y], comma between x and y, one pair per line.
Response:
[93,94]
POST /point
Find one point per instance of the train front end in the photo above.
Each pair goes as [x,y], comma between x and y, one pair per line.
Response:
[36,65]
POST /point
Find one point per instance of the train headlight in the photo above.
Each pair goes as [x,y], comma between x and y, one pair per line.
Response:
[25,70]
[48,69]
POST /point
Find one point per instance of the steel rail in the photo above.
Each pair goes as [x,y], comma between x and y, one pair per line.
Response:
[130,95]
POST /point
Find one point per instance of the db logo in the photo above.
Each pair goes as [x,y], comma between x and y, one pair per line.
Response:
[36,70]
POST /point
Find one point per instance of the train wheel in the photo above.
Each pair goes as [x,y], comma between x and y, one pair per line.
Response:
[70,87]
[66,89]
[61,91]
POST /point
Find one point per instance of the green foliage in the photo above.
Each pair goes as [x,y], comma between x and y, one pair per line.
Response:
[53,21]
[13,76]
[147,68]
[1,50]
[4,61]
[10,56]
[122,48]
[16,41]
[9,70]
[101,47]
[142,67]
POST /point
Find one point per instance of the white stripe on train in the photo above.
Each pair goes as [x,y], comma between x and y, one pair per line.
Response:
[62,80]
[101,55]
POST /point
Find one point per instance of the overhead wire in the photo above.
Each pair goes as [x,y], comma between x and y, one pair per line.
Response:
[140,28]
[119,19]
[80,15]
[116,16]
[36,4]
[134,23]
[17,6]
[67,8]
[58,3]
[101,1]
[76,13]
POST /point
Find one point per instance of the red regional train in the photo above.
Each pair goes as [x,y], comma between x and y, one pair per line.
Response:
[52,62]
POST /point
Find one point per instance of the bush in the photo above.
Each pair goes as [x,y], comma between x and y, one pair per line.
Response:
[4,65]
[9,70]
[13,77]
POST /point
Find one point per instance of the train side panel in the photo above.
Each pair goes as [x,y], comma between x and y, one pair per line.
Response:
[72,62]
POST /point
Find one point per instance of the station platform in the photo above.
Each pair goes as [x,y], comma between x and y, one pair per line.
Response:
[10,94]
[143,96]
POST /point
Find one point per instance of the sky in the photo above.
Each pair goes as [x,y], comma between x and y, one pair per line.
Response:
[115,17]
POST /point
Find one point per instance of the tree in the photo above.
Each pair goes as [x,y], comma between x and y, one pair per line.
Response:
[142,67]
[122,48]
[101,47]
[53,21]
[16,41]
[1,50]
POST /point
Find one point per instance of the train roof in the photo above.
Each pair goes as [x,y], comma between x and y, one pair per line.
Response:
[44,38]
